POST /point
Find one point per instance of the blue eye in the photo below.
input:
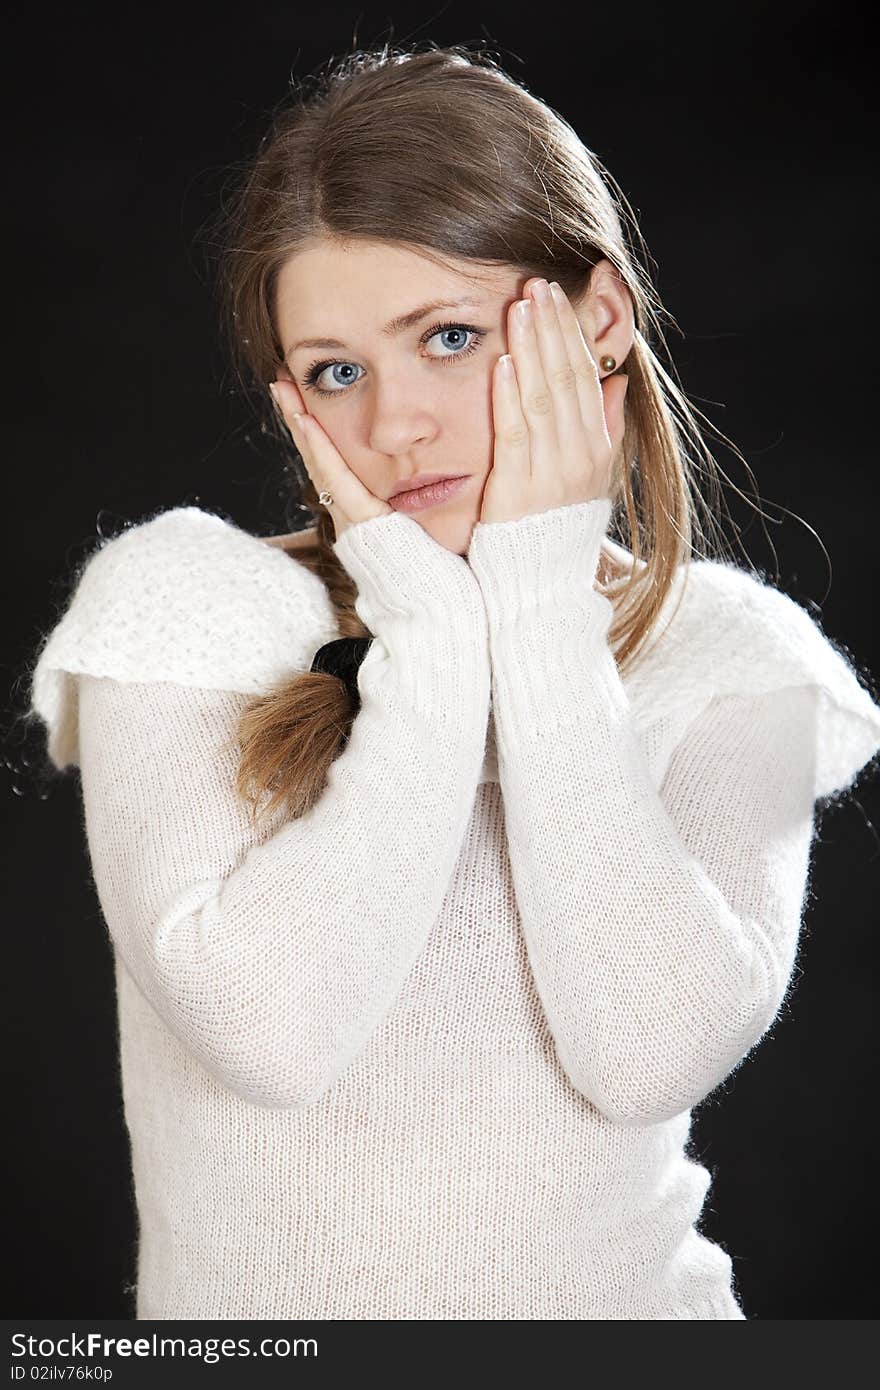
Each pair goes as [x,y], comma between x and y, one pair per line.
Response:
[316,370]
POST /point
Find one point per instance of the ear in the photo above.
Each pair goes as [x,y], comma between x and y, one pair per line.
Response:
[606,314]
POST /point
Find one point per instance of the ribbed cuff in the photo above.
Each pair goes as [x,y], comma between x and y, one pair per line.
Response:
[399,569]
[533,565]
[424,604]
[547,624]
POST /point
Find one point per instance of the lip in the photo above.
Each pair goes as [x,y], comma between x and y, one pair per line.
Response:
[423,480]
[428,494]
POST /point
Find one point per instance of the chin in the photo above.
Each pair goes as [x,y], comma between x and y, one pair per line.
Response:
[452,532]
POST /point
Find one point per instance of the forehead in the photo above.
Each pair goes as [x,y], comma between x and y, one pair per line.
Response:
[368,283]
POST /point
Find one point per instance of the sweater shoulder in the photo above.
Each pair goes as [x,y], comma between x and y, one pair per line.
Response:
[184,596]
[726,631]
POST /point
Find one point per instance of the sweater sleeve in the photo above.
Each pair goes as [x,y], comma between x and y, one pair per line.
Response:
[273,954]
[661,921]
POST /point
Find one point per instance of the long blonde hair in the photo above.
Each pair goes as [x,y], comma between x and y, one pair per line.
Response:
[442,151]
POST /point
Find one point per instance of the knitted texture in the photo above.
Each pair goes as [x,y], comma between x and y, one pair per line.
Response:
[431,1050]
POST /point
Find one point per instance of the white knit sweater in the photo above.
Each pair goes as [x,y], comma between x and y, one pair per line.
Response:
[430,1051]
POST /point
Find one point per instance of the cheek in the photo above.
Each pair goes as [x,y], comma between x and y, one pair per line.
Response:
[481,421]
[468,421]
[469,408]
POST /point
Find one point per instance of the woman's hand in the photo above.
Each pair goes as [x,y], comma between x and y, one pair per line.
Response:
[557,426]
[352,501]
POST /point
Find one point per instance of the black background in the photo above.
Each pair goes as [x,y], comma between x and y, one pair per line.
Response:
[742,136]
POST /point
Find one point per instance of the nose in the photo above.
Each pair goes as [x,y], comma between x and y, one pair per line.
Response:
[402,417]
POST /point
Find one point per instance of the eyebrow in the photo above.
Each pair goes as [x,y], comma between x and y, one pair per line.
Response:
[395,327]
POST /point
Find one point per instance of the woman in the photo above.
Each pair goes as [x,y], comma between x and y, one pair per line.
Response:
[453,851]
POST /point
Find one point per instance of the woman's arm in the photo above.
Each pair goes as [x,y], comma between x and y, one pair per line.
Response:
[661,924]
[275,956]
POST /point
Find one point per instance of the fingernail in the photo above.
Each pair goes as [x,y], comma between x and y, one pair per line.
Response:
[275,396]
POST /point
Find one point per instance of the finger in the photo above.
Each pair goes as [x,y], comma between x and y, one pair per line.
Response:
[330,473]
[536,400]
[559,373]
[511,445]
[589,388]
[287,397]
[291,390]
[323,463]
[289,404]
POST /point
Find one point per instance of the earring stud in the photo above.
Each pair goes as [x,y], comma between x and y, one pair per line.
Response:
[607,363]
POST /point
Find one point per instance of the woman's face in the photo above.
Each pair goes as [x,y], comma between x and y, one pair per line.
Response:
[415,401]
